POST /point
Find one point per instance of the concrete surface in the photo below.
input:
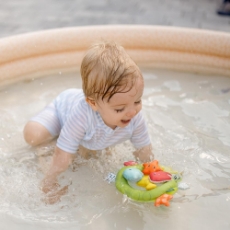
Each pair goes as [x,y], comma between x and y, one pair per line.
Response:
[22,16]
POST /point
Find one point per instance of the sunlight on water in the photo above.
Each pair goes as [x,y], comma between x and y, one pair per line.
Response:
[189,123]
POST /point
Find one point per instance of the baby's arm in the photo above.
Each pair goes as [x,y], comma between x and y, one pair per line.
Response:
[60,162]
[144,154]
[141,137]
[72,132]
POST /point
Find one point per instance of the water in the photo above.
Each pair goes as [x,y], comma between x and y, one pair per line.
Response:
[189,123]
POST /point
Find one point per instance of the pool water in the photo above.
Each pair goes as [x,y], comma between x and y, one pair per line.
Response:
[189,124]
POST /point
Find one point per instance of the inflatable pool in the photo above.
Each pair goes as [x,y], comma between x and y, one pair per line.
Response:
[173,48]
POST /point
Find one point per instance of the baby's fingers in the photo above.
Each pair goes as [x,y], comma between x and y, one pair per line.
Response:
[54,196]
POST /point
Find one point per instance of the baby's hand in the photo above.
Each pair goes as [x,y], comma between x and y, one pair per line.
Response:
[55,195]
[144,154]
[52,190]
[49,185]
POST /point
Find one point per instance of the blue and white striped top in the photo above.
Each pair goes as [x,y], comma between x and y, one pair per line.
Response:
[83,126]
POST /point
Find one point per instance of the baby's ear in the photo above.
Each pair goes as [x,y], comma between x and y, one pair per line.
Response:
[92,103]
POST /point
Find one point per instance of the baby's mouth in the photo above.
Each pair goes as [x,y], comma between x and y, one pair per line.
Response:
[125,121]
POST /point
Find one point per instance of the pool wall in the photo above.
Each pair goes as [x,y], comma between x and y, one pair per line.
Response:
[39,53]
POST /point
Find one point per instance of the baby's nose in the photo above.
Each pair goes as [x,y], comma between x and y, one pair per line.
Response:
[131,113]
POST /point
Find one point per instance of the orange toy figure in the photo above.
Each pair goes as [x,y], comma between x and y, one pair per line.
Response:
[163,199]
[150,167]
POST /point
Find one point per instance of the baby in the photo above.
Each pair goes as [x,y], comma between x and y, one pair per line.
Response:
[105,112]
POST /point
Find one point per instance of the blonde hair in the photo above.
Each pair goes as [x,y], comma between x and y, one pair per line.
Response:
[106,70]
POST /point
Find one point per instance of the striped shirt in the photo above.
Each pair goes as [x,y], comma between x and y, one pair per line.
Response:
[80,125]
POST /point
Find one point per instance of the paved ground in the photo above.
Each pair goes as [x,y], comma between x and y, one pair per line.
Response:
[21,16]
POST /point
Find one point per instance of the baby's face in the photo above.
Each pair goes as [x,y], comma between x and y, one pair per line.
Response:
[122,107]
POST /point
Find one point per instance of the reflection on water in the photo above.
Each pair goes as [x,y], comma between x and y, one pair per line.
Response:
[189,123]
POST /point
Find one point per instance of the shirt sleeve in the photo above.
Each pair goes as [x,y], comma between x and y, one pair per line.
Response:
[140,136]
[73,130]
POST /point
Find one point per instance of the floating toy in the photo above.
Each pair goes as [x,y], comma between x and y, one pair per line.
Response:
[146,183]
[183,186]
[159,185]
[151,167]
[132,174]
[163,199]
[160,177]
[130,163]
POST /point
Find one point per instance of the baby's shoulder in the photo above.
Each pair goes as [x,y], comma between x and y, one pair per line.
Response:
[71,101]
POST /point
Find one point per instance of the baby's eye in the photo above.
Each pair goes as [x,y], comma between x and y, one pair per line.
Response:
[119,110]
[138,102]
